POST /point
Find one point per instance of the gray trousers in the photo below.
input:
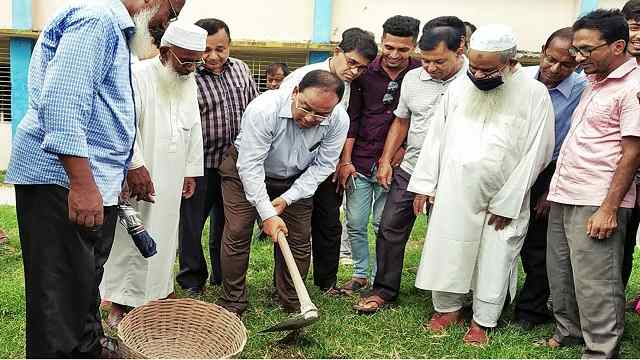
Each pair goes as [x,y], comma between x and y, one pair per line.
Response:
[585,280]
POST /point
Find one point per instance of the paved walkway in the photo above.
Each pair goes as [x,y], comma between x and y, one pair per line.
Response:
[7,196]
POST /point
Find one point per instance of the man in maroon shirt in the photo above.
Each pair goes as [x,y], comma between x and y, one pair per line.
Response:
[374,96]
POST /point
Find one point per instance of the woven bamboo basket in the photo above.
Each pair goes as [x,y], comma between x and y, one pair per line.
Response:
[181,328]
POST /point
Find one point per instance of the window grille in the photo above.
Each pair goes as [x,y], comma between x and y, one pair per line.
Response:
[259,60]
[5,81]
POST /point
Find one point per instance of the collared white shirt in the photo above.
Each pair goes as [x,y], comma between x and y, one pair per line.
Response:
[271,144]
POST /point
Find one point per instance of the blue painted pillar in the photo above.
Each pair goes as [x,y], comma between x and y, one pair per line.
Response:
[587,6]
[322,11]
[20,56]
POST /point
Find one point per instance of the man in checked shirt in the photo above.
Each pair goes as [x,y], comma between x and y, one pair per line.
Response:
[225,88]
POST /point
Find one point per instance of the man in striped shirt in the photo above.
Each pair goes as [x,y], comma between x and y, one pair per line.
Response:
[225,88]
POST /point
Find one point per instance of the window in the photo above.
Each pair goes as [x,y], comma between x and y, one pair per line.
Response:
[5,81]
[259,60]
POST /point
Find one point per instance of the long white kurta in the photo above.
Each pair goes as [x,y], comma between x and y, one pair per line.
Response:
[473,166]
[169,144]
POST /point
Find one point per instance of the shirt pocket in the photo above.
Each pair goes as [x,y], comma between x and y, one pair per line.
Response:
[600,118]
[308,147]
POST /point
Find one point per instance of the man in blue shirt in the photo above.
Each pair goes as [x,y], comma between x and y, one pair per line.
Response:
[68,164]
[557,72]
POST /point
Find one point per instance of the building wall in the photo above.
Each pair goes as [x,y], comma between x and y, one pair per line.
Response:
[5,14]
[292,20]
[5,144]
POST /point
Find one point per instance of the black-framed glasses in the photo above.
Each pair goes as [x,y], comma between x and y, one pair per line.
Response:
[389,95]
[184,63]
[311,113]
[585,52]
[174,13]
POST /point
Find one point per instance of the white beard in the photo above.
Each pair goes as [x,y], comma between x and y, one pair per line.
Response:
[142,42]
[481,104]
[173,86]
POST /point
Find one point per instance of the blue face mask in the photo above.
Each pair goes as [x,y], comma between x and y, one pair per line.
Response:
[487,83]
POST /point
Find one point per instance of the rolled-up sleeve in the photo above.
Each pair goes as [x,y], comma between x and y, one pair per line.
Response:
[253,149]
[325,161]
[84,54]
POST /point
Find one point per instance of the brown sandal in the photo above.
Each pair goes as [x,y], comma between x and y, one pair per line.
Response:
[353,286]
[370,304]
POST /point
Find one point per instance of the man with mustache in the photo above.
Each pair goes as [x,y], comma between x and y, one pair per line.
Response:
[225,88]
[441,53]
[289,143]
[591,191]
[169,145]
[355,51]
[68,162]
[557,72]
[374,96]
[491,137]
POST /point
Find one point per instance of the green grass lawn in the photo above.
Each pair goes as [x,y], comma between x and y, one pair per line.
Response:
[393,333]
[3,173]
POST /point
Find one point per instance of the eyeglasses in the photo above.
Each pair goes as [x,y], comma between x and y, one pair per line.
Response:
[174,13]
[486,74]
[354,64]
[584,52]
[311,113]
[392,88]
[186,63]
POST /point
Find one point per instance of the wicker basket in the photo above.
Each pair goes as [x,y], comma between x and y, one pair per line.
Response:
[181,328]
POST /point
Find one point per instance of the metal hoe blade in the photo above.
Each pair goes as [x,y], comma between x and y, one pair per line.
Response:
[295,322]
[308,311]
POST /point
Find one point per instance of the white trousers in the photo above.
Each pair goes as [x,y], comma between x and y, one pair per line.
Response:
[484,313]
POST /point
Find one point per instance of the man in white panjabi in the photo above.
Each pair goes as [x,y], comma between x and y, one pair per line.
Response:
[493,134]
[169,145]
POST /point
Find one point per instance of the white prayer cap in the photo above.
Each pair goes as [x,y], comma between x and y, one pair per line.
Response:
[493,38]
[185,35]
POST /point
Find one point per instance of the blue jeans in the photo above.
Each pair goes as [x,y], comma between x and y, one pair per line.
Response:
[367,194]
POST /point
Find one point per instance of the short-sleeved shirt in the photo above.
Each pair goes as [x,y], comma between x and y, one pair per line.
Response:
[370,117]
[419,95]
[608,111]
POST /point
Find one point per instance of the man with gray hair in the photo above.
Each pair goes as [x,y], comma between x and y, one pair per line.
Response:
[169,147]
[69,159]
[491,137]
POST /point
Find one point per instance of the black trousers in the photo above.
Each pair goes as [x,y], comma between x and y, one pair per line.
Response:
[630,245]
[395,227]
[531,303]
[326,231]
[63,267]
[205,202]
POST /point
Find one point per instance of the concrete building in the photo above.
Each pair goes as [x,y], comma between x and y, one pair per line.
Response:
[293,31]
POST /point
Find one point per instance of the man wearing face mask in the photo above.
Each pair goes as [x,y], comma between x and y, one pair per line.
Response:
[491,137]
[374,96]
[591,190]
[169,145]
[557,72]
[69,158]
[350,59]
[289,143]
[441,52]
[225,88]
